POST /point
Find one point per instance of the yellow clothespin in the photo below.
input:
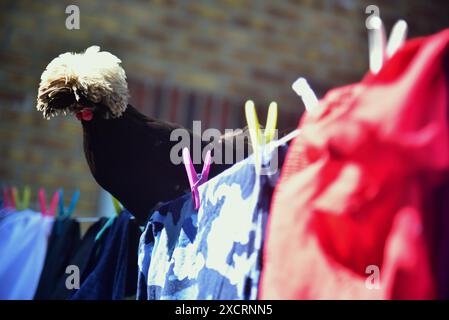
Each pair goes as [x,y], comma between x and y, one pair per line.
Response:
[117,205]
[21,204]
[257,138]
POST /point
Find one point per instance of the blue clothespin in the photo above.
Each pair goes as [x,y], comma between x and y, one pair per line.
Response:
[118,209]
[67,212]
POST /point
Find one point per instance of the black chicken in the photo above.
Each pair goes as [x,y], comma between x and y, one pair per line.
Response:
[127,152]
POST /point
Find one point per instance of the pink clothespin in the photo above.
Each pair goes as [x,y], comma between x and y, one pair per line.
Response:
[195,179]
[7,203]
[43,203]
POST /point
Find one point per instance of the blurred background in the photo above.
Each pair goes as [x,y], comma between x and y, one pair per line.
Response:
[185,60]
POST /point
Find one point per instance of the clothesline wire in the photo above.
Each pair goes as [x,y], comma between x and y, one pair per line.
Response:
[272,145]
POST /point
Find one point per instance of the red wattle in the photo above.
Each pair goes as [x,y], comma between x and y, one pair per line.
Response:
[85,114]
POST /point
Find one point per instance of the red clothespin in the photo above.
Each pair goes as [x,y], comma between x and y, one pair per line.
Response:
[195,179]
[7,202]
[43,203]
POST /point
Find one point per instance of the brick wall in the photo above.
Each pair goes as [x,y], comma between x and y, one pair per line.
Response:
[185,59]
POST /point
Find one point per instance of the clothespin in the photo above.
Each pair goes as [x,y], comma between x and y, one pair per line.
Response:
[21,204]
[377,43]
[43,202]
[13,201]
[15,198]
[117,206]
[379,51]
[105,227]
[302,89]
[195,180]
[397,38]
[7,202]
[26,197]
[67,212]
[118,209]
[257,138]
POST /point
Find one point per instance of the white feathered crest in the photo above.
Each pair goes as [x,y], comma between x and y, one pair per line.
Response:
[95,74]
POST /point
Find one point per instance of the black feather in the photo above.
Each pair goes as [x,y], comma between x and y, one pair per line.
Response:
[129,157]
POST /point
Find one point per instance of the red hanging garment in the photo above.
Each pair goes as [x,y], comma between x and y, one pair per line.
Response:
[355,189]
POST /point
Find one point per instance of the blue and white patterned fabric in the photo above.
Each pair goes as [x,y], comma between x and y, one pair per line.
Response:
[215,252]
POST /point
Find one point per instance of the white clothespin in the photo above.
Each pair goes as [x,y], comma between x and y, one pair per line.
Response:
[398,36]
[302,89]
[376,44]
[379,51]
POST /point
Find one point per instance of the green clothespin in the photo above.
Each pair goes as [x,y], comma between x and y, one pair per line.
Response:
[117,206]
[21,204]
[259,139]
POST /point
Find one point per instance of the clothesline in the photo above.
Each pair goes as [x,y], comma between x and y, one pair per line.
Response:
[92,219]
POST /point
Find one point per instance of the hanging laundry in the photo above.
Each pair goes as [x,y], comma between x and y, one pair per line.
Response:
[114,277]
[439,204]
[6,211]
[23,246]
[100,238]
[66,249]
[353,215]
[212,253]
[64,241]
